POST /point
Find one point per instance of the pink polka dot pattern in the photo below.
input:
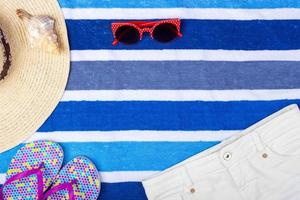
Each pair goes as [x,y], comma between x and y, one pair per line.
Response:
[87,176]
[136,25]
[29,157]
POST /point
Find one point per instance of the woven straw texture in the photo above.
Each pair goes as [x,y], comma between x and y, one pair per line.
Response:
[36,79]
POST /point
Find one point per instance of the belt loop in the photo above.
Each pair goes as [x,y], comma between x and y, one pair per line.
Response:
[188,181]
[257,141]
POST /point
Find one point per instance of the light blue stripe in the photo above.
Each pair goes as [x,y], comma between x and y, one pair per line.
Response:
[180,3]
[126,156]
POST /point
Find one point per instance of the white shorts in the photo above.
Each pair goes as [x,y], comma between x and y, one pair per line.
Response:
[260,163]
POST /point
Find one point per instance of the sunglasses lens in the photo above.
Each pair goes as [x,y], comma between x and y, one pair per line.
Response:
[127,35]
[165,32]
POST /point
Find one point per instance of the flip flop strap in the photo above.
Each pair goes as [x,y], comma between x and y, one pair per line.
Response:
[62,186]
[37,171]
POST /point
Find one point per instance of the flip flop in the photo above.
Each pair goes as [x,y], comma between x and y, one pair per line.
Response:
[78,180]
[32,170]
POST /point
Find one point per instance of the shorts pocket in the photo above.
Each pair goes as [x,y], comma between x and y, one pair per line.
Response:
[288,144]
[270,161]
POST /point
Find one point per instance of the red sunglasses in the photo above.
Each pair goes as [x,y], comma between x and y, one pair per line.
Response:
[131,32]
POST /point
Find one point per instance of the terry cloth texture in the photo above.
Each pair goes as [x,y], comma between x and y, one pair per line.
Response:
[138,110]
[260,163]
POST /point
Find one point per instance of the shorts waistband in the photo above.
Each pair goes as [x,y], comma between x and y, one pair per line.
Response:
[225,154]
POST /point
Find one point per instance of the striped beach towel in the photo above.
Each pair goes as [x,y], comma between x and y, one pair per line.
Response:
[137,110]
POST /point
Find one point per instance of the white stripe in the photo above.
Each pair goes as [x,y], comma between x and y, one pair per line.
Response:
[180,95]
[133,135]
[115,177]
[183,13]
[126,176]
[209,55]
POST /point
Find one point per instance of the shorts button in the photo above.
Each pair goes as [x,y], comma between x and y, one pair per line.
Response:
[265,155]
[192,190]
[227,156]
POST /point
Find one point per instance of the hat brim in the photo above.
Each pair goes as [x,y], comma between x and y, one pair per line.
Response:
[36,79]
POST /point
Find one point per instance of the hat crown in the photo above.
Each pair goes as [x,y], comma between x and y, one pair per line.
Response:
[5,56]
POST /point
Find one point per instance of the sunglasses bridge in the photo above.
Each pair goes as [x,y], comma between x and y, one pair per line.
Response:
[146,30]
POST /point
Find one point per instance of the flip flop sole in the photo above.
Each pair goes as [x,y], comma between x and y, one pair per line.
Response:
[29,157]
[87,176]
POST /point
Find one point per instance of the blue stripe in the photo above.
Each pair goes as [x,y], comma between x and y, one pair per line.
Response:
[122,191]
[180,3]
[126,156]
[182,75]
[198,34]
[155,115]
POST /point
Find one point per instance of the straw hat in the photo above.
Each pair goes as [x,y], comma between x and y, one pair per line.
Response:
[34,80]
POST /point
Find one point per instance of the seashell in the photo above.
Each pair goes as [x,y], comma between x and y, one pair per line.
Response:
[41,31]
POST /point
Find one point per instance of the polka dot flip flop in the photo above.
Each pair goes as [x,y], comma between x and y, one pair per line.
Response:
[78,180]
[32,170]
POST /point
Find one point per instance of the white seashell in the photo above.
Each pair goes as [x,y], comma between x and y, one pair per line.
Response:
[41,31]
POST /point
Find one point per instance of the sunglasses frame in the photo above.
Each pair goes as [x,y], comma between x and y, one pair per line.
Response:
[144,26]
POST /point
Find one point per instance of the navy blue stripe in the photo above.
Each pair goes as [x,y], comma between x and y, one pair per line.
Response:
[122,191]
[198,34]
[117,75]
[180,3]
[125,156]
[156,115]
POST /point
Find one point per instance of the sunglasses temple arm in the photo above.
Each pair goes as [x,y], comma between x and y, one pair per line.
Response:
[142,23]
[115,42]
[177,32]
